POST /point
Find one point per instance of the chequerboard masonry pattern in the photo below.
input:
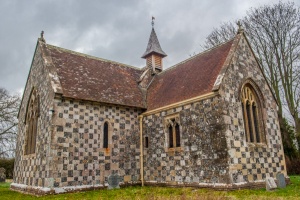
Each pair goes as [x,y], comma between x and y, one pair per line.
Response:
[213,150]
[250,162]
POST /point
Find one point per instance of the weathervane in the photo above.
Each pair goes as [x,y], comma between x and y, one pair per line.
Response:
[153,18]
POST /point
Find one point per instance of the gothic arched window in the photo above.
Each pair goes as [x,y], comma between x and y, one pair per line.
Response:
[31,122]
[173,128]
[252,115]
[105,135]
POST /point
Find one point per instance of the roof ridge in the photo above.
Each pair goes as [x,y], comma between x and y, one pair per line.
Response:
[93,57]
[188,59]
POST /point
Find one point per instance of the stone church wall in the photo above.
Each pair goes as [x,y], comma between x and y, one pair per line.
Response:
[213,150]
[33,169]
[69,140]
[250,162]
[202,157]
[78,156]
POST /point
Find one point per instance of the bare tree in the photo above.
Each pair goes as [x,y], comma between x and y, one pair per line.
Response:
[9,106]
[220,35]
[274,33]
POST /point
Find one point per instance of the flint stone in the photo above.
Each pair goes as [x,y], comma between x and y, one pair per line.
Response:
[270,184]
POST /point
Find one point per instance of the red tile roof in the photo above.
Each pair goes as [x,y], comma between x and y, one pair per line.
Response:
[191,78]
[94,79]
[89,78]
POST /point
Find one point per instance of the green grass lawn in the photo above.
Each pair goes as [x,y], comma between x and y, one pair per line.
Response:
[292,191]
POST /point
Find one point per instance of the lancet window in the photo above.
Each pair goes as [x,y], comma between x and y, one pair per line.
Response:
[105,135]
[252,115]
[31,122]
[173,128]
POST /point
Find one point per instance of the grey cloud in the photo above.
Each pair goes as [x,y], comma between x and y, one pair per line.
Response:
[115,30]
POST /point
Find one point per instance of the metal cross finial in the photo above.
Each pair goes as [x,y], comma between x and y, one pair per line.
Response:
[153,18]
[239,24]
[240,29]
[42,37]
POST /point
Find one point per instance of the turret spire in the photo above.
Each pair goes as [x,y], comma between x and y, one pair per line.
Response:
[153,44]
[154,53]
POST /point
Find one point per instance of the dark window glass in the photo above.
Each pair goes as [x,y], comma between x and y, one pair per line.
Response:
[146,142]
[29,137]
[249,121]
[177,132]
[254,110]
[105,135]
[245,125]
[171,137]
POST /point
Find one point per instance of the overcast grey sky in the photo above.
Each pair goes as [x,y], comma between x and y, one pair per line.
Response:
[114,30]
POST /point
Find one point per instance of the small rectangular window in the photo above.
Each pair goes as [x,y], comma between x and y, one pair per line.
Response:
[146,142]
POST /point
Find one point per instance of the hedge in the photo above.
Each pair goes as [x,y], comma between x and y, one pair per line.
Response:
[8,165]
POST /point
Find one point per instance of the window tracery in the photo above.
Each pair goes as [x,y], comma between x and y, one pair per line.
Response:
[31,122]
[252,115]
[173,130]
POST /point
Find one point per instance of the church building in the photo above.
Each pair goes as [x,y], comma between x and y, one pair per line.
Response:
[208,121]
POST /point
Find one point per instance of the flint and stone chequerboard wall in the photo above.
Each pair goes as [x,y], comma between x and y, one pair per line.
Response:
[77,144]
[250,162]
[212,149]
